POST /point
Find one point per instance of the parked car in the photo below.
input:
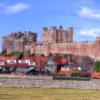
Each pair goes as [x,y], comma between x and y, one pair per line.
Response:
[95,75]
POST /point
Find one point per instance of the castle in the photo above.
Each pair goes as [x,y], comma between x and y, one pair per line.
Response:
[17,41]
[55,41]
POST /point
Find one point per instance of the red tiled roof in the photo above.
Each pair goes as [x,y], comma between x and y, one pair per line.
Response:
[29,58]
[17,65]
[40,61]
[5,58]
[61,60]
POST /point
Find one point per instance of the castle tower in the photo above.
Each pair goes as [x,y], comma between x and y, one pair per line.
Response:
[45,35]
[69,35]
[7,43]
[61,36]
[97,48]
[53,32]
[19,45]
[49,35]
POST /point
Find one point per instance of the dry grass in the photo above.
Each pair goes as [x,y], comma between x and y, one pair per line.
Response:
[47,94]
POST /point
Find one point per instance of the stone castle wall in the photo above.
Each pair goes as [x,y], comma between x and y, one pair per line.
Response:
[60,41]
[91,49]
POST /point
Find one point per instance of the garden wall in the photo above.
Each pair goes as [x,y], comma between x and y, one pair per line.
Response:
[47,82]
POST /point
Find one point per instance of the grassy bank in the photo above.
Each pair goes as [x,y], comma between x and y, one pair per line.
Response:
[47,94]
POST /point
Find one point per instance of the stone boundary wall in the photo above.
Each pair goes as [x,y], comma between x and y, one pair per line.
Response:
[47,82]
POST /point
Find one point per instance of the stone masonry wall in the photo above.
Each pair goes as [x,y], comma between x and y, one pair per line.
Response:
[47,82]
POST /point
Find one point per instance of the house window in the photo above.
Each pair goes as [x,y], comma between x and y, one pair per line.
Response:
[32,63]
[11,61]
[22,61]
[1,63]
[50,63]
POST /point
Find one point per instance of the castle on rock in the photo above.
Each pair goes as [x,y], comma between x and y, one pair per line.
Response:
[55,40]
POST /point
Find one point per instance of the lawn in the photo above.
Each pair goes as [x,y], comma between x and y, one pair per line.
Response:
[47,94]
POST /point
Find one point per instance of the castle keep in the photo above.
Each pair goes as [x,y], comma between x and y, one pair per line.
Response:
[55,35]
[55,41]
[17,41]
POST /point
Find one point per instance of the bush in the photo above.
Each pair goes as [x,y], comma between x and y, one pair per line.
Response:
[76,74]
[98,66]
[47,72]
[60,75]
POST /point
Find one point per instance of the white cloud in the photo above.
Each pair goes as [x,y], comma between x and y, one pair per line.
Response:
[94,32]
[10,9]
[90,13]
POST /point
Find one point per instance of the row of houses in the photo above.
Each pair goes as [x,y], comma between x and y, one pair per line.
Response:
[41,62]
[24,64]
[12,61]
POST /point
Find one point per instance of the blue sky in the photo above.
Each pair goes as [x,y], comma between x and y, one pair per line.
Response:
[32,15]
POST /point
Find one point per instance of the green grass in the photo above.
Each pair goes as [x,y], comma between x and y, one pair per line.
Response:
[47,94]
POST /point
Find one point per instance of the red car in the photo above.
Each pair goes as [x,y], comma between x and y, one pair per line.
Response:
[95,75]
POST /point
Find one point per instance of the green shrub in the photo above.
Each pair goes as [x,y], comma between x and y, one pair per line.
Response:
[47,72]
[60,75]
[76,74]
[97,66]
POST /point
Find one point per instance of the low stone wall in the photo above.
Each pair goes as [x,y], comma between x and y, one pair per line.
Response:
[47,82]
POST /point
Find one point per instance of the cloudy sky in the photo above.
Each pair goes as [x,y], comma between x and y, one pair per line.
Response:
[32,15]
